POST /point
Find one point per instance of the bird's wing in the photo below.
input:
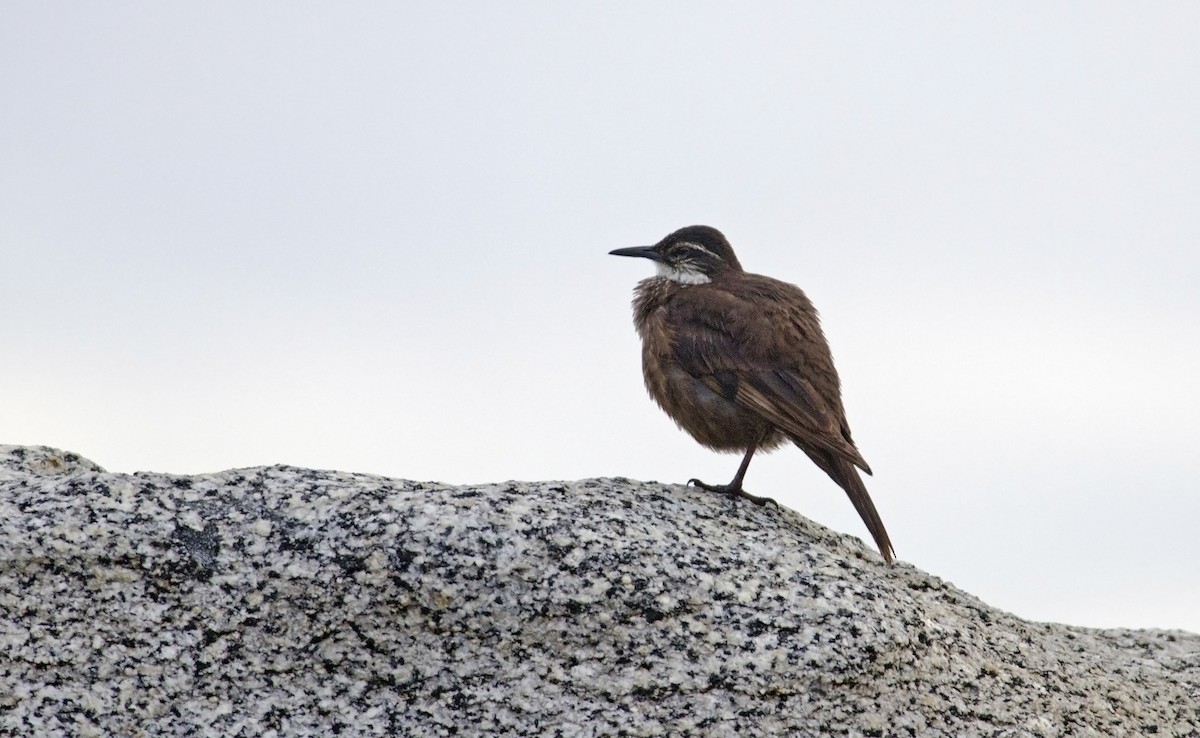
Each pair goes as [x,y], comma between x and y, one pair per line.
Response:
[786,377]
[789,402]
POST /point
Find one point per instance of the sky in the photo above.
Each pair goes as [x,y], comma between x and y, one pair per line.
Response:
[374,237]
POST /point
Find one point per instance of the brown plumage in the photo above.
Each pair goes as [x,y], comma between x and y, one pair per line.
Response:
[740,362]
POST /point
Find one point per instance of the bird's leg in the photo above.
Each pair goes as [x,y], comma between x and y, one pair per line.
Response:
[735,486]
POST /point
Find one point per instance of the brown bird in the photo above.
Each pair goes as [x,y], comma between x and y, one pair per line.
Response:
[740,362]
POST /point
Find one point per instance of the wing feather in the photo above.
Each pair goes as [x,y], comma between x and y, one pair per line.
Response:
[785,375]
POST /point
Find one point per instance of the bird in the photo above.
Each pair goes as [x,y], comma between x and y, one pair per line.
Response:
[739,361]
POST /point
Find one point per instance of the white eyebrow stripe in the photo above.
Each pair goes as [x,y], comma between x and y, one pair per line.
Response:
[698,247]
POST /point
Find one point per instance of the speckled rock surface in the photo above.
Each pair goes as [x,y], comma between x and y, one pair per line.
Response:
[279,601]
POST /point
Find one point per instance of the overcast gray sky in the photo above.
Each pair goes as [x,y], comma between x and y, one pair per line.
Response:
[374,237]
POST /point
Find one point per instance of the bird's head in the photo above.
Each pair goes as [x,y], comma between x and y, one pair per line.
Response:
[692,255]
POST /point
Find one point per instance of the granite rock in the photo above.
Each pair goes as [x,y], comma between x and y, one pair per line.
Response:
[279,601]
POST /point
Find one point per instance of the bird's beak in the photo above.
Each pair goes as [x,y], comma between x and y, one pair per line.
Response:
[646,252]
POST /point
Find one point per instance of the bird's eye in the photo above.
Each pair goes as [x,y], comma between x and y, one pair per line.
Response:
[695,251]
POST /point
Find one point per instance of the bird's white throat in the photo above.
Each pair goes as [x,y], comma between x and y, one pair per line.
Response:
[682,276]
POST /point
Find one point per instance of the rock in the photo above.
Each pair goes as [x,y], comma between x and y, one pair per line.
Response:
[278,601]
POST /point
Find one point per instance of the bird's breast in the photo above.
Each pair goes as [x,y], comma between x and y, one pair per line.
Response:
[709,414]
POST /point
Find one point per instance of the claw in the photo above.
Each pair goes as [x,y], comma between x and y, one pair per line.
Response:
[729,489]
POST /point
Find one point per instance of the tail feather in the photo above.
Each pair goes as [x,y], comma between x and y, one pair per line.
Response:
[846,476]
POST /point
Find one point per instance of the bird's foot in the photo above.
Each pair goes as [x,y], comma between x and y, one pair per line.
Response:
[729,489]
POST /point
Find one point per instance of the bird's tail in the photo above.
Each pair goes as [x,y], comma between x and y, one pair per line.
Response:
[846,476]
